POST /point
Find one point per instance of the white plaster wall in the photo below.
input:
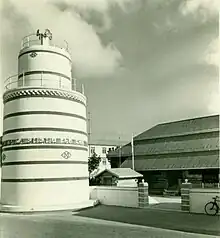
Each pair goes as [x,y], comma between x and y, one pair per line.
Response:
[41,171]
[35,194]
[44,104]
[46,47]
[200,197]
[45,154]
[127,183]
[117,196]
[45,120]
[48,134]
[40,194]
[93,192]
[44,60]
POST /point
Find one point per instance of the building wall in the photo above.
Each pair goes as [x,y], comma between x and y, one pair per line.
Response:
[172,179]
[101,150]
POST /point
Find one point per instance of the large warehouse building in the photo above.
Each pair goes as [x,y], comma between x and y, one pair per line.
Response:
[170,152]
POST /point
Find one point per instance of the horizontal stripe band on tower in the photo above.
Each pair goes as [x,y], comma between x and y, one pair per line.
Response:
[43,113]
[44,51]
[43,129]
[32,180]
[44,72]
[37,147]
[42,96]
[43,162]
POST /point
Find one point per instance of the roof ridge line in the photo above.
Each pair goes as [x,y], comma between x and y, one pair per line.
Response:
[189,119]
[181,134]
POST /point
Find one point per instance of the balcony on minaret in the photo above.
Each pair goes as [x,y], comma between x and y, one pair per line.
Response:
[41,63]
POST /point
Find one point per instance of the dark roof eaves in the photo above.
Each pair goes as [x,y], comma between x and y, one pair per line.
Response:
[156,154]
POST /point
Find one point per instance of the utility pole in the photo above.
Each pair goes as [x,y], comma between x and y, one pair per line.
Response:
[119,151]
[89,132]
[132,151]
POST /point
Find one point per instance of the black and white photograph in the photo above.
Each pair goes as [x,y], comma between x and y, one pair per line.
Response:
[109,119]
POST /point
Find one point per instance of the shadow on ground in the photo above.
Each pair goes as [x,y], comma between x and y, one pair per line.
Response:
[172,220]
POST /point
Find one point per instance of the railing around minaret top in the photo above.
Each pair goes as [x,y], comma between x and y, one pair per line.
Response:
[32,39]
[41,80]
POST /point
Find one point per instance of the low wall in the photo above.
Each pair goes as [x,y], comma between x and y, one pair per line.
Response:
[200,197]
[118,196]
[193,200]
[121,196]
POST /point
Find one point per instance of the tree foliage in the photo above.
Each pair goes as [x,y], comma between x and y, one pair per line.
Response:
[94,162]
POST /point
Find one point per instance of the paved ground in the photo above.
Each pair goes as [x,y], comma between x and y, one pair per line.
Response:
[108,222]
[166,203]
[167,206]
[196,223]
[171,199]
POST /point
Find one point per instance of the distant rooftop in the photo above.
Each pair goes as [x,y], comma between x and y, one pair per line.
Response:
[103,144]
[122,173]
[107,142]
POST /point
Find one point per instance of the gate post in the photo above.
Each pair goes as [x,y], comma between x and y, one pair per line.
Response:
[185,198]
[143,200]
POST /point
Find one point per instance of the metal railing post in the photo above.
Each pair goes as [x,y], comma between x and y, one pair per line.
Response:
[28,41]
[41,83]
[9,83]
[83,89]
[59,82]
[74,84]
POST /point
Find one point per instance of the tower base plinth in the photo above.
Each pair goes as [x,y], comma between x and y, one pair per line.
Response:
[69,207]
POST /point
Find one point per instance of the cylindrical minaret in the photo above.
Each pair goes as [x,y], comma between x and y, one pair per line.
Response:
[44,153]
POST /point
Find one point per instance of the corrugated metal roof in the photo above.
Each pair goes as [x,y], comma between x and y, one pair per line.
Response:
[190,162]
[122,173]
[167,147]
[188,126]
[160,145]
[197,134]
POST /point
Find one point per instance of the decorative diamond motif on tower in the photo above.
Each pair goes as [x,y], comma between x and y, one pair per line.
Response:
[3,157]
[33,54]
[66,154]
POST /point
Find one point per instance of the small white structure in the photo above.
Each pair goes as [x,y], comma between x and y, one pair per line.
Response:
[125,177]
[45,144]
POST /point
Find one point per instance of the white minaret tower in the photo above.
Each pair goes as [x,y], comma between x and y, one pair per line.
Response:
[45,144]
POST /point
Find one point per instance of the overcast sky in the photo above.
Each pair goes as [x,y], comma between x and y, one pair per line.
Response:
[142,61]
